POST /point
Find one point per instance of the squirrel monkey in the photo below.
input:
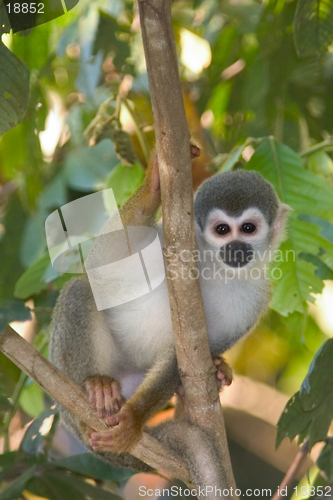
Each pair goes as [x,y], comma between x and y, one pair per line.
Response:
[125,356]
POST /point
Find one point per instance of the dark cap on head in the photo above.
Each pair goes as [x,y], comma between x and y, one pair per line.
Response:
[234,192]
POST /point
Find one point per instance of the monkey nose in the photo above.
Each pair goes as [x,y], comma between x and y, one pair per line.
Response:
[236,253]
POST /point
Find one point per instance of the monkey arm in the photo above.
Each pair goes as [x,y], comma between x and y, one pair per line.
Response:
[141,208]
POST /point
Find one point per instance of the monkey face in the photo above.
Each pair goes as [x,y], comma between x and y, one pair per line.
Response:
[238,240]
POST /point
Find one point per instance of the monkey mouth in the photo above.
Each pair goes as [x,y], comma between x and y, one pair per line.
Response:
[236,254]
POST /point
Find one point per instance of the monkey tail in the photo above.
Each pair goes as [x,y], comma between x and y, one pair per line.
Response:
[196,447]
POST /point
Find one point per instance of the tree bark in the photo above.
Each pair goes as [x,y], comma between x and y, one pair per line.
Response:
[172,144]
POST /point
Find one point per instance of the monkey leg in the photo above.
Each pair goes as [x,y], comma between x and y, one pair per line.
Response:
[104,395]
[151,396]
[223,371]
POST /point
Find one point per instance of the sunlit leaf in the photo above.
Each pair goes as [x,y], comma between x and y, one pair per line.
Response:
[32,399]
[124,181]
[305,193]
[33,438]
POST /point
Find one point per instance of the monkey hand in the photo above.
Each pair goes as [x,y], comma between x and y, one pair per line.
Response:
[223,371]
[124,432]
[104,395]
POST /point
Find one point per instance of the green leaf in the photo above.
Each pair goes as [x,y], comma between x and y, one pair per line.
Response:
[91,466]
[234,157]
[9,374]
[5,404]
[318,384]
[31,282]
[33,439]
[325,460]
[320,163]
[108,40]
[7,460]
[65,485]
[124,181]
[91,64]
[295,421]
[322,272]
[33,239]
[309,412]
[32,400]
[87,168]
[11,310]
[14,490]
[313,26]
[13,221]
[33,49]
[5,26]
[14,89]
[218,103]
[45,486]
[306,193]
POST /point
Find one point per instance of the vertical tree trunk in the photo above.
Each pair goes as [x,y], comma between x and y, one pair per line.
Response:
[172,143]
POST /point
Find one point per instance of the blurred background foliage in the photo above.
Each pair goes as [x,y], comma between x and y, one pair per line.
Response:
[257,80]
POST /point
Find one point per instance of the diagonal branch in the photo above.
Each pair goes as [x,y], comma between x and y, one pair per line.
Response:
[66,392]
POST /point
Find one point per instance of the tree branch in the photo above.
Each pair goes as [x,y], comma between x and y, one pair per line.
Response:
[66,392]
[293,470]
[172,143]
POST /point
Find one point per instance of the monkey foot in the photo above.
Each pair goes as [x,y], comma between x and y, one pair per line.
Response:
[104,395]
[223,371]
[120,437]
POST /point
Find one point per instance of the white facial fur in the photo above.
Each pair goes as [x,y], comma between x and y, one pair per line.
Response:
[258,238]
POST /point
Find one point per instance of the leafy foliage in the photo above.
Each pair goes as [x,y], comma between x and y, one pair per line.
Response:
[53,479]
[313,26]
[325,460]
[306,193]
[14,89]
[255,97]
[309,412]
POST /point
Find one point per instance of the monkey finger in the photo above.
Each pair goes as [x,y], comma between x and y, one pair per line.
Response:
[100,402]
[91,393]
[101,441]
[113,420]
[195,151]
[112,404]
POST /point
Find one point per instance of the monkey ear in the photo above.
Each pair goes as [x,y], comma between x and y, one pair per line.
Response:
[279,226]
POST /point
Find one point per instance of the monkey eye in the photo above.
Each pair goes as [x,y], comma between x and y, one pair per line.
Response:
[248,228]
[222,229]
